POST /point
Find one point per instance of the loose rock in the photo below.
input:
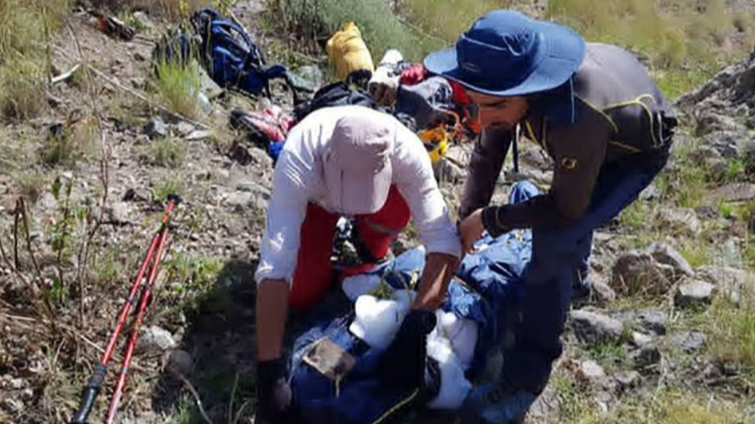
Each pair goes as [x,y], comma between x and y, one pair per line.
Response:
[654,320]
[181,362]
[646,357]
[594,328]
[689,341]
[155,340]
[156,128]
[694,293]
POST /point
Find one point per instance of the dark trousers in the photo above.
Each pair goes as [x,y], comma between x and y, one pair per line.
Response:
[558,257]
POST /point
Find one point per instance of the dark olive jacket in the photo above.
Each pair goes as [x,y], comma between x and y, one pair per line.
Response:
[613,110]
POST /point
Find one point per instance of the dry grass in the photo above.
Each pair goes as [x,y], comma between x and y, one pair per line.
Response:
[23,24]
[664,406]
[683,41]
[679,409]
[22,89]
[170,9]
[30,185]
[74,143]
[25,98]
[669,38]
[18,156]
[167,152]
[733,326]
[24,65]
[129,110]
[222,138]
[313,22]
[447,19]
[59,391]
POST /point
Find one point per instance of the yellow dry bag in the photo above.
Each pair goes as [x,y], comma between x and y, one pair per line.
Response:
[347,50]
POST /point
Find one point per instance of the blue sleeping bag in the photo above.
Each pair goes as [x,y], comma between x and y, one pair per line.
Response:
[486,283]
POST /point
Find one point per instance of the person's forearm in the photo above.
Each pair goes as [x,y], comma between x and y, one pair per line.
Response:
[539,212]
[484,168]
[439,268]
[272,310]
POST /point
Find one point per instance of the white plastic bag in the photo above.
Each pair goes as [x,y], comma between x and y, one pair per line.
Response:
[377,321]
[461,333]
[454,387]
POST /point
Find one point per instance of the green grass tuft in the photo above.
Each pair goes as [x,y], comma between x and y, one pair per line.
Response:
[22,88]
[680,39]
[171,183]
[178,86]
[732,326]
[73,144]
[447,19]
[166,152]
[25,29]
[380,28]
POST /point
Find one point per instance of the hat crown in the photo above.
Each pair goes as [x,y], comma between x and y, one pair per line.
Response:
[506,53]
[361,144]
[500,45]
[507,30]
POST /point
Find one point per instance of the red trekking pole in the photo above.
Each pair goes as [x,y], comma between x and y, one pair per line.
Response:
[144,301]
[92,389]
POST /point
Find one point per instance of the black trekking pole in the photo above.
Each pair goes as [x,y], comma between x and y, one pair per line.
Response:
[93,387]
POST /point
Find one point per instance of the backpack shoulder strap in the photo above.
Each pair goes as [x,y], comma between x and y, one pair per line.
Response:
[224,32]
[201,20]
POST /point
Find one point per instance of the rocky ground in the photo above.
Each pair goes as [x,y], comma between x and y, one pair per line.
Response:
[667,337]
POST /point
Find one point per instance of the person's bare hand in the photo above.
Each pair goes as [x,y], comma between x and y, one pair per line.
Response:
[470,230]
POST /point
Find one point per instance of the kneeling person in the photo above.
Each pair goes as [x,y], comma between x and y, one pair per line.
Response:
[347,161]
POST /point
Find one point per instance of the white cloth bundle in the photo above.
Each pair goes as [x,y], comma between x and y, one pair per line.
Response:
[451,343]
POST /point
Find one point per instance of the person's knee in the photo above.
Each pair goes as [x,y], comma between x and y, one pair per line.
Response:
[556,241]
[562,246]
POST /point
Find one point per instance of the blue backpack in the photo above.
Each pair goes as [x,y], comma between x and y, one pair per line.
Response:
[230,55]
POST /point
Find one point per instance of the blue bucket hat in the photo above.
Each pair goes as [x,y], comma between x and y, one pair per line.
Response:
[505,53]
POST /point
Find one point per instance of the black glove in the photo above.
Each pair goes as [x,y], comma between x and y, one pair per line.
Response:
[403,363]
[273,393]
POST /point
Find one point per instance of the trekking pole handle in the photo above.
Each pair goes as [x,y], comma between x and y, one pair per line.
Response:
[89,394]
[173,201]
[176,199]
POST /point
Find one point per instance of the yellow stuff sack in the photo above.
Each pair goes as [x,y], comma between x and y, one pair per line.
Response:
[347,50]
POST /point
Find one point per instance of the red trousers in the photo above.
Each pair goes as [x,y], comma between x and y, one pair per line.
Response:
[314,272]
